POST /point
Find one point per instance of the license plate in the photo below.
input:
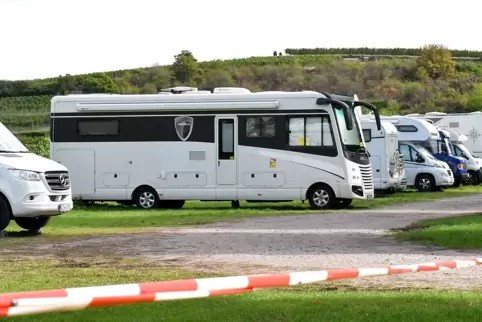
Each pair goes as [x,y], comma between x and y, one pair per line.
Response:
[64,207]
[370,196]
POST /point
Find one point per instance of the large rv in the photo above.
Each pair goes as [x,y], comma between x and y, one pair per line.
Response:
[423,170]
[386,161]
[226,145]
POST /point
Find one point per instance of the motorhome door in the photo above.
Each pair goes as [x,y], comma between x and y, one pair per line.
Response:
[226,142]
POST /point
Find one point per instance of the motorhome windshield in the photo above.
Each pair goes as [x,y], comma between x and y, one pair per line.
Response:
[424,152]
[9,143]
[351,139]
[460,150]
[448,146]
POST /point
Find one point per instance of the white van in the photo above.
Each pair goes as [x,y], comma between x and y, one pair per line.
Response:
[32,188]
[387,163]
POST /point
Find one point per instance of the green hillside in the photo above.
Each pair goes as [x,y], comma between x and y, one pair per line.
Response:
[434,81]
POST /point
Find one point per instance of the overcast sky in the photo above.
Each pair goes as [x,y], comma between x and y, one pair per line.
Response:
[46,38]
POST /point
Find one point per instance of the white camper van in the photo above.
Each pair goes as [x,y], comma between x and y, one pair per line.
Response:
[469,124]
[32,188]
[225,145]
[386,161]
[474,164]
[422,169]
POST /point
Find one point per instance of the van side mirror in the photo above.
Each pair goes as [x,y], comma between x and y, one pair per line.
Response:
[419,159]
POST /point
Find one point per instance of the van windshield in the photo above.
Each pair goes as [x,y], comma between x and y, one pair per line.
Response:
[9,142]
[351,139]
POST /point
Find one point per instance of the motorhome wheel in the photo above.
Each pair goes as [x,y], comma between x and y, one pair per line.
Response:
[425,183]
[321,197]
[4,213]
[147,198]
[33,223]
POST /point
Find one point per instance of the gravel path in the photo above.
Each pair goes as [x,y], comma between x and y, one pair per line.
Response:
[284,243]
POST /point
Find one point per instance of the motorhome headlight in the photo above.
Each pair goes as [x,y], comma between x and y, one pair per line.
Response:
[438,165]
[355,173]
[24,175]
[460,166]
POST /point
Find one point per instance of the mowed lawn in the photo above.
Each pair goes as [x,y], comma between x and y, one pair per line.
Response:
[113,218]
[464,232]
[316,302]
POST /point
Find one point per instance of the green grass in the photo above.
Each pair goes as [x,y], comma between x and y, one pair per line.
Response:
[109,219]
[464,232]
[316,302]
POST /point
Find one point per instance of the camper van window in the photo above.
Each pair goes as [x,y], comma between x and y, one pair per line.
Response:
[226,139]
[367,135]
[407,128]
[409,153]
[98,127]
[310,131]
[257,127]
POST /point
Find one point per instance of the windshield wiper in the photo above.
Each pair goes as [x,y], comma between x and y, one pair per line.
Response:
[361,150]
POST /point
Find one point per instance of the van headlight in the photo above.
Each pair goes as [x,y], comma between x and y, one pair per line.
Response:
[24,175]
[437,165]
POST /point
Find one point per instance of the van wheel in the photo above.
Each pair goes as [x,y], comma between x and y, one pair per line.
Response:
[425,183]
[146,198]
[342,203]
[473,178]
[321,197]
[33,223]
[5,213]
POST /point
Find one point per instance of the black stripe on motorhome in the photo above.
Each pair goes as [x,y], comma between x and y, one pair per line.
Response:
[162,129]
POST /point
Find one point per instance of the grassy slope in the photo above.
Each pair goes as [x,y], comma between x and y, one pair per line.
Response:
[105,219]
[457,232]
[302,303]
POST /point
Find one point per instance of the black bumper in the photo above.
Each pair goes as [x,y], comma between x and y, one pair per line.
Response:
[463,178]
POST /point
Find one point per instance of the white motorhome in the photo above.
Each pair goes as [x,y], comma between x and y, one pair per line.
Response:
[423,170]
[225,145]
[387,162]
[32,188]
[469,124]
[474,164]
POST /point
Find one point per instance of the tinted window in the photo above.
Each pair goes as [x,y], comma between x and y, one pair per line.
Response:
[406,128]
[98,127]
[367,135]
[260,127]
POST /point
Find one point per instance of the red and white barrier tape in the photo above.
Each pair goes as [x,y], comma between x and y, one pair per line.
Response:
[84,297]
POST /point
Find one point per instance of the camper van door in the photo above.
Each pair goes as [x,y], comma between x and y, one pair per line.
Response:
[226,142]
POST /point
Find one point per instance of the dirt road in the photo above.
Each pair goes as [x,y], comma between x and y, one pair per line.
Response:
[284,243]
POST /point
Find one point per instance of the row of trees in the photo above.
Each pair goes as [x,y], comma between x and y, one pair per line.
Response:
[375,51]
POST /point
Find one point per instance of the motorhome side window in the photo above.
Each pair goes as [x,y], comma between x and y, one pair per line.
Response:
[260,127]
[406,128]
[310,131]
[98,127]
[367,135]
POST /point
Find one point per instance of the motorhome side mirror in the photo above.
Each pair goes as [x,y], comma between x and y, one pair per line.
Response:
[420,159]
